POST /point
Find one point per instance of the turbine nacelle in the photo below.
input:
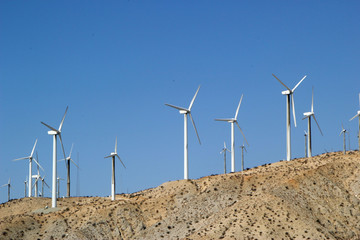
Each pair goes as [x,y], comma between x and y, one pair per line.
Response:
[52,132]
[308,114]
[286,92]
[184,111]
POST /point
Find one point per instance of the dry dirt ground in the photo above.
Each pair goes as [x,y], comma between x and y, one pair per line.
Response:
[307,198]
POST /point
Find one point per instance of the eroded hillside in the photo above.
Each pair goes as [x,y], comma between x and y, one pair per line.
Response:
[308,198]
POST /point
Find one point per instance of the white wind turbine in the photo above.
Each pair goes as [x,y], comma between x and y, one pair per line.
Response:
[67,161]
[308,115]
[31,158]
[55,133]
[358,115]
[306,151]
[187,111]
[242,156]
[113,155]
[232,121]
[224,151]
[58,185]
[289,94]
[9,186]
[36,177]
[343,131]
[42,186]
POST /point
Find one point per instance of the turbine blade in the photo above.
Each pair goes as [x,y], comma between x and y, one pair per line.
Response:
[120,160]
[74,163]
[178,108]
[224,145]
[108,156]
[9,181]
[72,146]
[312,100]
[61,160]
[50,127]
[224,119]
[20,159]
[3,185]
[298,83]
[354,116]
[237,110]
[282,83]
[192,120]
[192,101]
[293,107]
[305,117]
[242,133]
[38,164]
[32,152]
[116,144]
[62,146]
[359,99]
[62,121]
[46,184]
[318,125]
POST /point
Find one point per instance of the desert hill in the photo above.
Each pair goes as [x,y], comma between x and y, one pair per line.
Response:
[307,198]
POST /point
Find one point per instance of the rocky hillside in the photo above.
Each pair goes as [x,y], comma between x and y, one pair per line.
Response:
[308,198]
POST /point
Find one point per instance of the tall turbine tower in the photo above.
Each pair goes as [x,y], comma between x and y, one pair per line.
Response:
[25,182]
[308,115]
[232,121]
[306,151]
[67,161]
[9,186]
[358,115]
[36,177]
[31,158]
[289,95]
[224,151]
[187,111]
[42,186]
[58,185]
[242,156]
[55,132]
[343,131]
[113,155]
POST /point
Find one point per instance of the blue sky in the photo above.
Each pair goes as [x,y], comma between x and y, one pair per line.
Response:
[116,63]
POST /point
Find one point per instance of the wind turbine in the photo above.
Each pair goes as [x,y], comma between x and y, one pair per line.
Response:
[67,160]
[344,131]
[9,186]
[31,158]
[113,155]
[242,156]
[224,151]
[55,133]
[232,121]
[58,185]
[42,186]
[187,111]
[306,151]
[308,115]
[25,182]
[289,95]
[358,115]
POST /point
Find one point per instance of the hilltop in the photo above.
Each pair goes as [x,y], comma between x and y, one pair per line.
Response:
[307,198]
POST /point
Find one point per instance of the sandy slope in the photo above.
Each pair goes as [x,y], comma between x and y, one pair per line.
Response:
[315,198]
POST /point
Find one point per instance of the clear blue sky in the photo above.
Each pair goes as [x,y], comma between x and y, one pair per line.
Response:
[116,63]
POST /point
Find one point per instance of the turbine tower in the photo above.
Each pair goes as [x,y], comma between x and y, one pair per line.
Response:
[58,186]
[358,115]
[232,121]
[343,131]
[25,182]
[36,177]
[55,133]
[42,186]
[113,155]
[186,112]
[242,156]
[306,151]
[31,158]
[9,186]
[67,161]
[308,115]
[289,97]
[224,151]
